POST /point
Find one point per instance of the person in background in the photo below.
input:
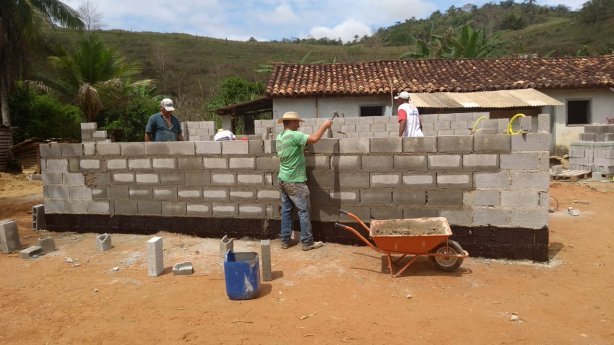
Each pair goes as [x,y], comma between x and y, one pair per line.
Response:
[410,124]
[164,126]
[223,135]
[292,178]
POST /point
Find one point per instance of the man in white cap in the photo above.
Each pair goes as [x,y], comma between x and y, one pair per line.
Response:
[409,118]
[292,177]
[164,126]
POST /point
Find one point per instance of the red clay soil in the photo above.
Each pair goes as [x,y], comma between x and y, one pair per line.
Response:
[333,295]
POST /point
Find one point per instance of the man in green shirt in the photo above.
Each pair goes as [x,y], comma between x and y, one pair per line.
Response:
[292,178]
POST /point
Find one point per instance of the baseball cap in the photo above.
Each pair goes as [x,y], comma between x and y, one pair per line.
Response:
[167,104]
[402,95]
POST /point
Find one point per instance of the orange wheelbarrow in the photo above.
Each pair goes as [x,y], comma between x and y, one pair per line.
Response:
[426,236]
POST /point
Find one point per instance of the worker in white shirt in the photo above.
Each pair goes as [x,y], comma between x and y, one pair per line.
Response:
[223,135]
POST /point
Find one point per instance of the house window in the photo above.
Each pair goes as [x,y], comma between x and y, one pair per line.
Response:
[371,110]
[578,112]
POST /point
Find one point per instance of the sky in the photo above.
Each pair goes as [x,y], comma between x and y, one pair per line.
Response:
[267,20]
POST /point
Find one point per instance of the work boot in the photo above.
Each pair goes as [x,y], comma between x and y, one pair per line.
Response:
[314,245]
[291,243]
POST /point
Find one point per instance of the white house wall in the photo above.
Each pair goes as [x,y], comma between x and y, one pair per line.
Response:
[601,106]
[324,107]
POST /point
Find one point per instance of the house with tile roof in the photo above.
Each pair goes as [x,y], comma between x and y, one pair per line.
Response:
[576,90]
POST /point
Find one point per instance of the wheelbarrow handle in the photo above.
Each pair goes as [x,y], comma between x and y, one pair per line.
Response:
[355,217]
[344,212]
[357,234]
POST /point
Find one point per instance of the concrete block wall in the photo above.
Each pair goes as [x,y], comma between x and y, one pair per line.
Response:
[595,150]
[90,133]
[480,180]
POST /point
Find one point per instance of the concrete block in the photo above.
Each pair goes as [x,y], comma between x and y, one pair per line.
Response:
[324,178]
[89,126]
[530,180]
[75,207]
[265,257]
[520,161]
[196,178]
[249,178]
[149,207]
[242,163]
[183,269]
[71,150]
[499,179]
[54,206]
[523,198]
[531,142]
[147,178]
[491,216]
[73,179]
[89,164]
[460,217]
[267,195]
[375,196]
[125,207]
[242,195]
[482,197]
[117,164]
[270,147]
[252,211]
[155,256]
[419,181]
[108,149]
[404,197]
[439,162]
[454,180]
[164,163]
[235,147]
[530,219]
[215,163]
[386,145]
[139,163]
[492,143]
[419,211]
[425,144]
[454,144]
[57,192]
[255,147]
[208,147]
[198,209]
[174,208]
[52,150]
[352,180]
[97,207]
[317,161]
[344,196]
[89,149]
[133,149]
[57,165]
[47,244]
[267,163]
[386,212]
[103,242]
[31,252]
[325,146]
[346,163]
[377,163]
[187,193]
[444,198]
[189,163]
[80,193]
[141,193]
[223,210]
[409,163]
[9,236]
[480,161]
[50,178]
[38,217]
[385,179]
[442,125]
[215,194]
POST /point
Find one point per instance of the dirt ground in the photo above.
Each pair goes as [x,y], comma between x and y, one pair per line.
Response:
[333,295]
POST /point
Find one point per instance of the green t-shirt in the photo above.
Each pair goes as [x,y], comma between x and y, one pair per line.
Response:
[290,150]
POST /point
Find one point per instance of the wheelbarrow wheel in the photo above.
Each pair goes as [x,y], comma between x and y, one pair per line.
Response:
[447,263]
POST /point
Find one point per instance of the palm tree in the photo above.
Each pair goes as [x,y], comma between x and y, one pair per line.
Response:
[21,23]
[89,72]
[472,43]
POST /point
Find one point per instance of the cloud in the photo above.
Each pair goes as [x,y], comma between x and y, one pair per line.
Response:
[282,14]
[346,31]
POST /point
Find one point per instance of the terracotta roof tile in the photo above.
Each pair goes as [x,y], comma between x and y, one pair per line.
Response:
[464,75]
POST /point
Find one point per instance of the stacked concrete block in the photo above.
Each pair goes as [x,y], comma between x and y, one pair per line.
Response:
[198,130]
[90,133]
[594,151]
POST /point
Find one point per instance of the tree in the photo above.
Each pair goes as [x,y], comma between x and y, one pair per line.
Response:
[90,15]
[83,75]
[21,23]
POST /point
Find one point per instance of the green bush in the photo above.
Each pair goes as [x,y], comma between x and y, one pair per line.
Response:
[38,115]
[125,120]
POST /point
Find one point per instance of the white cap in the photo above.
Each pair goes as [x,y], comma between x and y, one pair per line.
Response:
[167,104]
[402,95]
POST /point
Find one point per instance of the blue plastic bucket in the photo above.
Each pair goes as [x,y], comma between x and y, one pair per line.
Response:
[242,273]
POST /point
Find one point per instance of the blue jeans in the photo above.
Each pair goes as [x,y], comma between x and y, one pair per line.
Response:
[295,195]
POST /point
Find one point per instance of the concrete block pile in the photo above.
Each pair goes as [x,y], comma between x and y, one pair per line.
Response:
[484,179]
[595,150]
[90,133]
